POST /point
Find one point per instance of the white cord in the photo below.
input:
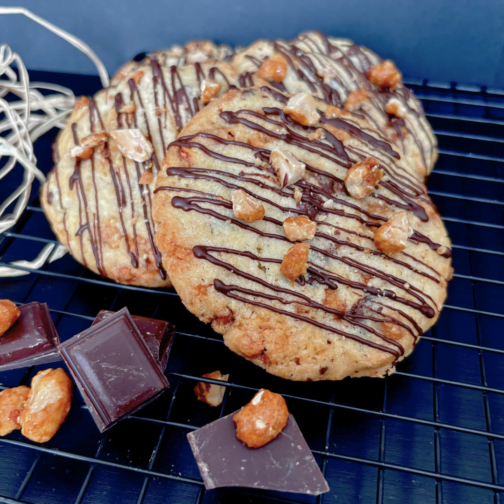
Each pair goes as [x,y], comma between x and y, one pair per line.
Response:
[71,39]
[38,262]
[26,114]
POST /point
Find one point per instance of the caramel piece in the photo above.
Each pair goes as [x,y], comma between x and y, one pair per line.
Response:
[47,406]
[262,419]
[9,313]
[295,261]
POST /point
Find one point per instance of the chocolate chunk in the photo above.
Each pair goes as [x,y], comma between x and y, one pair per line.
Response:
[157,334]
[113,369]
[32,340]
[285,464]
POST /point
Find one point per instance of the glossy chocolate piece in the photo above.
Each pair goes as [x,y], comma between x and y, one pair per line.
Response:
[285,464]
[31,340]
[157,334]
[113,368]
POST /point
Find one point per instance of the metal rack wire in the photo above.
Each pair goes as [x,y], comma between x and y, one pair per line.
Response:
[431,433]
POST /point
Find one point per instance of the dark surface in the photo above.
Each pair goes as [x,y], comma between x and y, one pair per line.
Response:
[113,368]
[31,340]
[449,40]
[157,334]
[284,464]
[433,433]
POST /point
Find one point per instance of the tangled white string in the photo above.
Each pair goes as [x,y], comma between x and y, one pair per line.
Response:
[27,111]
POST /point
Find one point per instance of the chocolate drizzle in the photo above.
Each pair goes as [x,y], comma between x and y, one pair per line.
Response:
[314,195]
[344,67]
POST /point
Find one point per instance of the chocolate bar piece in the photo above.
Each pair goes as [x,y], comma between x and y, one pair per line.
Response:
[285,464]
[113,369]
[157,334]
[31,340]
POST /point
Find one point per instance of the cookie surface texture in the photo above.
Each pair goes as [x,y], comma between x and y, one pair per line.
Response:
[336,70]
[98,196]
[350,310]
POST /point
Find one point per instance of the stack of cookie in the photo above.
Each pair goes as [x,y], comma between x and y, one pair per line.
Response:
[279,188]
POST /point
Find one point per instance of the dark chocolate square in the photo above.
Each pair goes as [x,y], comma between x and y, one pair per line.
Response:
[157,334]
[285,464]
[31,340]
[113,368]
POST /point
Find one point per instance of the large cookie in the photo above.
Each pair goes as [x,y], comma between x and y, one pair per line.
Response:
[351,310]
[98,200]
[334,69]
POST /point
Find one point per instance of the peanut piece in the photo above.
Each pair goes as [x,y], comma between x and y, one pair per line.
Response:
[298,195]
[137,76]
[361,178]
[392,236]
[79,152]
[354,100]
[262,419]
[9,313]
[209,89]
[132,144]
[295,261]
[396,108]
[94,139]
[209,392]
[273,69]
[129,108]
[302,107]
[384,75]
[299,228]
[288,168]
[318,134]
[11,403]
[47,406]
[246,207]
[146,178]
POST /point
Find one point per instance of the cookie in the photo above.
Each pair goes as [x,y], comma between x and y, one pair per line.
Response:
[196,51]
[241,176]
[346,74]
[98,195]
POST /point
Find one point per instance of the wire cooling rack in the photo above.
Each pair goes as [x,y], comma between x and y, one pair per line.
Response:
[431,433]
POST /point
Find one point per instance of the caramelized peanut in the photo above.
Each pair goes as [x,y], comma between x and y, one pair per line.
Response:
[384,75]
[9,313]
[274,68]
[146,178]
[262,419]
[210,393]
[354,100]
[79,152]
[94,139]
[396,108]
[299,228]
[246,207]
[11,403]
[47,406]
[132,144]
[302,107]
[209,89]
[392,236]
[361,178]
[295,261]
[298,195]
[288,168]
